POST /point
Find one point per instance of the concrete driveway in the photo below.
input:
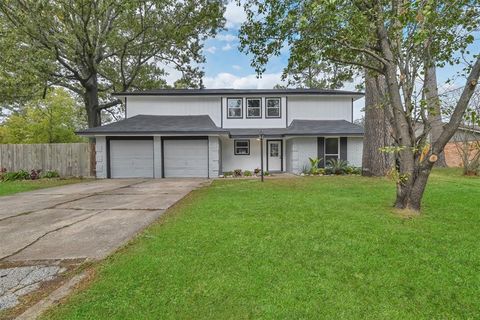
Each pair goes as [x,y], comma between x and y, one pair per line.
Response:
[83,221]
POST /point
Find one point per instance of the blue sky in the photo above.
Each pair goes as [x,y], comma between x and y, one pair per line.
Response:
[227,67]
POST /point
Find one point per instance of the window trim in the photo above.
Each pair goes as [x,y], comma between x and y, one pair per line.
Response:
[260,107]
[279,107]
[235,147]
[325,154]
[241,108]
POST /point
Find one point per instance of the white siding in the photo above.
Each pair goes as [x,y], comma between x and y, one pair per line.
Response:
[262,122]
[101,157]
[319,108]
[298,152]
[157,156]
[230,161]
[176,106]
[354,151]
[213,157]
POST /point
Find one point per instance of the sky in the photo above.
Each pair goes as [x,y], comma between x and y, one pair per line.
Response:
[227,67]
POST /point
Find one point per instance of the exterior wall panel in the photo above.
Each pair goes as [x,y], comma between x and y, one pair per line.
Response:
[175,106]
[319,108]
[354,151]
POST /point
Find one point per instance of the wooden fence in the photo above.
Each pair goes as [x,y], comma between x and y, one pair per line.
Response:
[68,159]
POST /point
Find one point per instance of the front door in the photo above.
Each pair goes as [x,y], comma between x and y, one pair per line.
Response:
[274,155]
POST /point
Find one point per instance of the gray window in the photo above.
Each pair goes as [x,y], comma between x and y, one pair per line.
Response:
[242,147]
[254,108]
[234,108]
[331,149]
[273,108]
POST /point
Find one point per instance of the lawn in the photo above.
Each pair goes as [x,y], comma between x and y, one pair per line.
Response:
[11,187]
[306,248]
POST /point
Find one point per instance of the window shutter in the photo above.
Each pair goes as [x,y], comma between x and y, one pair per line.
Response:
[321,151]
[343,148]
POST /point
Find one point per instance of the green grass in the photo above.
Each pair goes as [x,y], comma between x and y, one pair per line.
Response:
[307,248]
[11,187]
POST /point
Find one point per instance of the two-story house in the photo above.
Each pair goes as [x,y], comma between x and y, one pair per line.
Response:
[204,132]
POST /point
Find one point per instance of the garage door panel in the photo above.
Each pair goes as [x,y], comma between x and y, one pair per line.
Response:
[131,158]
[185,158]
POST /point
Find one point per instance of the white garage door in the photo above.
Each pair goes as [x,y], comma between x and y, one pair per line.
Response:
[131,158]
[185,158]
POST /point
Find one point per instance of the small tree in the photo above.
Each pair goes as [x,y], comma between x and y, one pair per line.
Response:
[400,40]
[50,120]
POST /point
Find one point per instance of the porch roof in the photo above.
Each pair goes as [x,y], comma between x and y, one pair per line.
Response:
[203,125]
[304,128]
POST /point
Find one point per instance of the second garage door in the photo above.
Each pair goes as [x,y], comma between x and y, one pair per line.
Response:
[185,158]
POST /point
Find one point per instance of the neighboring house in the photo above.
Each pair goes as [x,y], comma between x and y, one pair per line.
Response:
[453,149]
[205,132]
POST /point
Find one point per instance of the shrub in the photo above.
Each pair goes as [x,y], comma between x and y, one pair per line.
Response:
[228,174]
[305,169]
[15,175]
[50,174]
[353,170]
[247,173]
[35,174]
[337,166]
[266,173]
[237,172]
[314,162]
[257,171]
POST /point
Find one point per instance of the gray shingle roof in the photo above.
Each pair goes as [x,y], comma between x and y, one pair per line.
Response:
[150,124]
[221,92]
[203,124]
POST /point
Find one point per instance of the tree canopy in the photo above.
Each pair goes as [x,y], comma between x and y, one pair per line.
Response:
[96,47]
[51,120]
[400,40]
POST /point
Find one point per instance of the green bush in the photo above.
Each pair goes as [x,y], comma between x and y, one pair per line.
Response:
[266,173]
[337,166]
[50,174]
[228,174]
[15,175]
[247,173]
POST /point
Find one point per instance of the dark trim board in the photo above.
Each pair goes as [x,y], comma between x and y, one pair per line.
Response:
[108,139]
[281,152]
[221,112]
[321,151]
[126,107]
[162,139]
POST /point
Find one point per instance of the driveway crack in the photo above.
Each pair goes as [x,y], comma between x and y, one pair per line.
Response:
[68,201]
[47,233]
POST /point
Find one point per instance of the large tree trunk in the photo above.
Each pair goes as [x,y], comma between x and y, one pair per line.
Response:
[434,111]
[93,116]
[377,128]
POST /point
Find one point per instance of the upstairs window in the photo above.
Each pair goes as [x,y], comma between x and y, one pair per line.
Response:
[242,147]
[273,108]
[331,149]
[234,108]
[254,108]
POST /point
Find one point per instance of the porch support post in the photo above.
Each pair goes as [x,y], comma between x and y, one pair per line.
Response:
[261,155]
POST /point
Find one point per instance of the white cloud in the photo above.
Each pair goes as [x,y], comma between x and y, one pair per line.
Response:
[211,49]
[236,67]
[227,47]
[235,15]
[228,80]
[226,37]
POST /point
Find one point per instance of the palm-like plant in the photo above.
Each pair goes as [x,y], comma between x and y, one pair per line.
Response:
[337,166]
